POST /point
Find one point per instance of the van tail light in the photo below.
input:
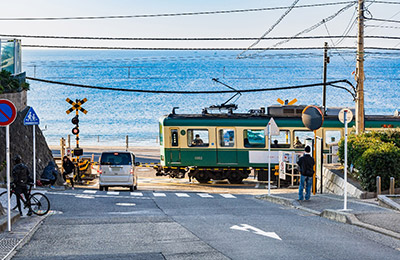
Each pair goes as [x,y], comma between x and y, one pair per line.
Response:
[132,171]
[100,171]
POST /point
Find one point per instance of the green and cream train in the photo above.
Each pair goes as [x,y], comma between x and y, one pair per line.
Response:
[229,145]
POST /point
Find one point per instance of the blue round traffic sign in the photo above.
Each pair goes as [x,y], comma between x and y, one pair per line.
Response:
[8,113]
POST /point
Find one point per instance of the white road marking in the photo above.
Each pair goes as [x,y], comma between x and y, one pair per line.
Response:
[125,204]
[228,196]
[159,194]
[112,192]
[247,228]
[205,195]
[182,195]
[84,196]
[90,191]
[139,194]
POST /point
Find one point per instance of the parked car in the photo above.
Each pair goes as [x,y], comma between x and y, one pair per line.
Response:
[117,169]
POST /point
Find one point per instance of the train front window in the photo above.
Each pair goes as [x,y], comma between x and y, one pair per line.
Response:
[227,137]
[253,138]
[282,140]
[197,138]
[174,137]
[300,138]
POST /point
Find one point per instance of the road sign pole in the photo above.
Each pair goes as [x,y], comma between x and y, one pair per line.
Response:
[345,160]
[34,155]
[8,177]
[269,158]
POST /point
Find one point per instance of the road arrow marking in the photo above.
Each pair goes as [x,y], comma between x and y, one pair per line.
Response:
[247,228]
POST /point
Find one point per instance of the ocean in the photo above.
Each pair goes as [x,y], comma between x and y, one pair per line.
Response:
[113,115]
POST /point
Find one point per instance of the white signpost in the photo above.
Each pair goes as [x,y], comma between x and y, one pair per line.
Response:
[32,119]
[8,113]
[345,116]
[271,129]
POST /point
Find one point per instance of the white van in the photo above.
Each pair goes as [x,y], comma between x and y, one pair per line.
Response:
[117,169]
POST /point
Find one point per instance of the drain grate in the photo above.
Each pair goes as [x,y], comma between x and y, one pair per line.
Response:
[7,244]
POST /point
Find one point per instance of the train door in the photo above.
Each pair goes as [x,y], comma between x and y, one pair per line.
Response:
[226,146]
[175,154]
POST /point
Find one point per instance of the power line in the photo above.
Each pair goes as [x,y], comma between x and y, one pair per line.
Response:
[384,20]
[272,27]
[168,14]
[315,26]
[190,49]
[187,92]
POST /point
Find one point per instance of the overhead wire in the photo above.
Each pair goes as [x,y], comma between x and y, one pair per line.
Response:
[168,14]
[189,92]
[315,26]
[271,28]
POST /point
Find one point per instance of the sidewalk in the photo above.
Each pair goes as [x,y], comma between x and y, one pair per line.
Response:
[364,213]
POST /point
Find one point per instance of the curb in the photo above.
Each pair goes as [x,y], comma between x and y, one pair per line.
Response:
[4,220]
[335,215]
[387,202]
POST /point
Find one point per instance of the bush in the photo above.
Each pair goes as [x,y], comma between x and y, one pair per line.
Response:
[9,84]
[383,161]
[373,154]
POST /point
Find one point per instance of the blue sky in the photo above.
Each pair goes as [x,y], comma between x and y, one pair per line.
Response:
[250,24]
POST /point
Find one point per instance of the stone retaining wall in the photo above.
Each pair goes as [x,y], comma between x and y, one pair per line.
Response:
[19,99]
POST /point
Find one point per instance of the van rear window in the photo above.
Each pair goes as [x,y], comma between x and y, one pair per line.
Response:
[116,159]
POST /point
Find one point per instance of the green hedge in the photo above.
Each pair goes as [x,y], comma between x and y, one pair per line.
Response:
[373,154]
[9,84]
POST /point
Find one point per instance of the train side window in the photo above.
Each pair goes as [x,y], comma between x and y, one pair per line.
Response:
[174,137]
[300,137]
[332,137]
[161,133]
[197,138]
[227,137]
[253,138]
[282,140]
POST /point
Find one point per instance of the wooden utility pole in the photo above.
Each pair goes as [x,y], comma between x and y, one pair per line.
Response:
[326,61]
[360,70]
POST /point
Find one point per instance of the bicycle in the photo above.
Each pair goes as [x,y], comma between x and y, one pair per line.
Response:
[39,204]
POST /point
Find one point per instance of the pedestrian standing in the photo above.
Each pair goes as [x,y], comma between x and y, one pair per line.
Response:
[21,178]
[306,166]
[68,167]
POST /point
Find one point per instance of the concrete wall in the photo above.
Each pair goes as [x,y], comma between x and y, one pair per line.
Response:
[19,99]
[334,183]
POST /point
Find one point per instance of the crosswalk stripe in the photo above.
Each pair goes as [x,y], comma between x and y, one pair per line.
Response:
[182,195]
[228,196]
[205,195]
[90,191]
[138,194]
[159,194]
[112,192]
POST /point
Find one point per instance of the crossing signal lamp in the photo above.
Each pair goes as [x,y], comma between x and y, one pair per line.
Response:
[75,121]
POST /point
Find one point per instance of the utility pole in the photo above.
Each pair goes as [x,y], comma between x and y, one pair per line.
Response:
[326,61]
[360,70]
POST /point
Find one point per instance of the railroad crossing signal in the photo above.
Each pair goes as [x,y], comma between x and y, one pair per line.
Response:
[286,102]
[76,105]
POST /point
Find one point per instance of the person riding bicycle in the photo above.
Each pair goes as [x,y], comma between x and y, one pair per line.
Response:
[21,178]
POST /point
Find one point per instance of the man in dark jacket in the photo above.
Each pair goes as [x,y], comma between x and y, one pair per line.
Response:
[21,177]
[50,173]
[306,166]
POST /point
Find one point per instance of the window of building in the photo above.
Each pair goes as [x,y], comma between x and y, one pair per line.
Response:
[332,137]
[197,138]
[226,137]
[282,140]
[253,138]
[300,138]
[174,137]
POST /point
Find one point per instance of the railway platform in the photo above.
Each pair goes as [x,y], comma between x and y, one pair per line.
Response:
[363,213]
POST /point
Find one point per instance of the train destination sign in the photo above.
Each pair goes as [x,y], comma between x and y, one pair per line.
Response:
[8,112]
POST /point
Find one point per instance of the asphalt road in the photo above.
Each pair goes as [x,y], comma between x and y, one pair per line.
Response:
[91,224]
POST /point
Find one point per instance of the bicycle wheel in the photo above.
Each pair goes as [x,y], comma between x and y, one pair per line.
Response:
[40,204]
[13,202]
